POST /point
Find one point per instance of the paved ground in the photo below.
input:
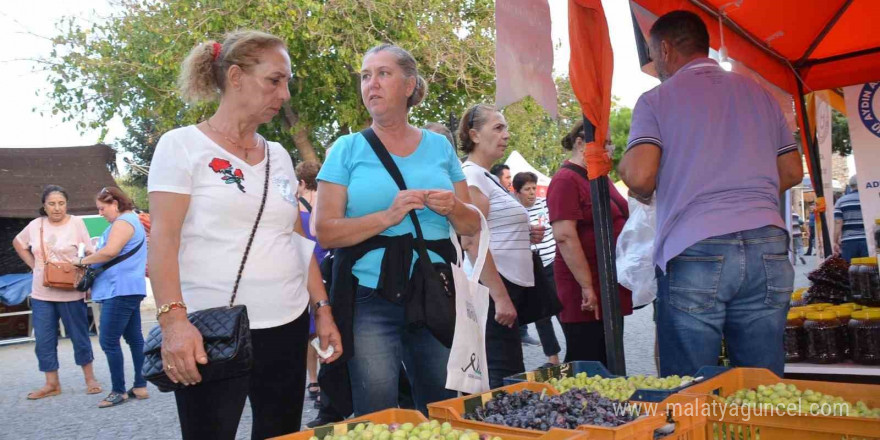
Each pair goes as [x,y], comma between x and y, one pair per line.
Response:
[74,415]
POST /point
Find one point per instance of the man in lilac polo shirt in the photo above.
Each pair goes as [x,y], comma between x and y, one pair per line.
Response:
[715,147]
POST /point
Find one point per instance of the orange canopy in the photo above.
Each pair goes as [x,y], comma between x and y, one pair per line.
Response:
[830,43]
[590,69]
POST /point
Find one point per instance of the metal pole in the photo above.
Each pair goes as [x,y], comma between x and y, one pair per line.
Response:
[603,228]
[815,165]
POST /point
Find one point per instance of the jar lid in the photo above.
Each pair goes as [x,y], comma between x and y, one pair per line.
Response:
[842,312]
[866,314]
[870,261]
[853,306]
[821,316]
[797,295]
[795,314]
[856,261]
[820,306]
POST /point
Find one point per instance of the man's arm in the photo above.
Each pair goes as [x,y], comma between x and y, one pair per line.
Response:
[791,170]
[638,169]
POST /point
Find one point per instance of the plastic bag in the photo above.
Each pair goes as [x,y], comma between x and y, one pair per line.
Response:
[635,253]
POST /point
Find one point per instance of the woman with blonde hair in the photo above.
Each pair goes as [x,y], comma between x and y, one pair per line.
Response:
[221,196]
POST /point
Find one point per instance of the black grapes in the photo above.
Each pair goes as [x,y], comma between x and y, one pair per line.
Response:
[531,410]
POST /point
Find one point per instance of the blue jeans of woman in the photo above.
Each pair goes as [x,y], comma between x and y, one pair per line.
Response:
[121,318]
[74,315]
[736,285]
[382,342]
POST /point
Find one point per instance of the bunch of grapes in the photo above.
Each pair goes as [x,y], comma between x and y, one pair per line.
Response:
[784,397]
[531,410]
[618,388]
[830,282]
[432,430]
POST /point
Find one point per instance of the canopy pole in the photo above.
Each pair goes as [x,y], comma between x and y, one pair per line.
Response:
[612,319]
[815,165]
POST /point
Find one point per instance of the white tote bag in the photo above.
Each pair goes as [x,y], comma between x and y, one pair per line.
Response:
[467,370]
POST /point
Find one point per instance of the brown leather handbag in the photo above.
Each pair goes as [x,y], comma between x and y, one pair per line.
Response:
[58,274]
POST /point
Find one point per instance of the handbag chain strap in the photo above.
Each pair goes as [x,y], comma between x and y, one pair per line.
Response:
[247,249]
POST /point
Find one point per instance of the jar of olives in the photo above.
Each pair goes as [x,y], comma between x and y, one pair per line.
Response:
[843,315]
[822,333]
[794,337]
[871,282]
[865,333]
[857,292]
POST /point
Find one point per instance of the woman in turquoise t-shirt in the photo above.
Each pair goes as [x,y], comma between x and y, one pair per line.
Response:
[358,200]
[120,290]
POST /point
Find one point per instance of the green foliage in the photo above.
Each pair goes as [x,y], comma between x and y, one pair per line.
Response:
[538,137]
[137,191]
[127,65]
[840,142]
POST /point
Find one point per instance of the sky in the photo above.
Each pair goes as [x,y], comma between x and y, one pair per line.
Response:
[25,26]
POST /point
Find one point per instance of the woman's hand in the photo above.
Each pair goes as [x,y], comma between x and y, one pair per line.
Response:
[328,334]
[536,234]
[505,312]
[404,202]
[182,348]
[440,201]
[589,301]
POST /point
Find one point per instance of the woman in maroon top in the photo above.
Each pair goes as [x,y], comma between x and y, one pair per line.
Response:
[576,267]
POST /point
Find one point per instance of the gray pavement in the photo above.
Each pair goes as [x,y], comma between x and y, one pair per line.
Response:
[75,415]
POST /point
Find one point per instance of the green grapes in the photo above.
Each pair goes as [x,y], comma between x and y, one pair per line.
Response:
[433,430]
[789,399]
[618,388]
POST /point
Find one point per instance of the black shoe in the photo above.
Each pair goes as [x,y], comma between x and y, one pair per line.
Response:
[323,419]
[803,261]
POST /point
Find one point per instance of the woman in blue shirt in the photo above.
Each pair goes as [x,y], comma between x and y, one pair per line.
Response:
[359,202]
[120,290]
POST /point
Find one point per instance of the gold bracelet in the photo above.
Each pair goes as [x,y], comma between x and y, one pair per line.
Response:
[165,308]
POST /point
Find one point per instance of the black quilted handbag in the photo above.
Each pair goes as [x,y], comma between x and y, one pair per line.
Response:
[225,331]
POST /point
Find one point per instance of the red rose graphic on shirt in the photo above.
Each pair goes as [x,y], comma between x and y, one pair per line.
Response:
[218,165]
[229,174]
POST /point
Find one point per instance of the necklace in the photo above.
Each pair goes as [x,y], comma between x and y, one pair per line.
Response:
[247,150]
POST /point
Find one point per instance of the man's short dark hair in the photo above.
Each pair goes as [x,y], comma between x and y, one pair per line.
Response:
[684,30]
[521,179]
[498,169]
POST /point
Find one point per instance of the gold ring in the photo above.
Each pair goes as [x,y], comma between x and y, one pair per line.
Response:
[169,367]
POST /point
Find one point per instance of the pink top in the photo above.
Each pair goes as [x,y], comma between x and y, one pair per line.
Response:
[61,243]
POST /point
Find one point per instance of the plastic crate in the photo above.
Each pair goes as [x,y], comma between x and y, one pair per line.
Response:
[453,410]
[387,416]
[593,368]
[728,425]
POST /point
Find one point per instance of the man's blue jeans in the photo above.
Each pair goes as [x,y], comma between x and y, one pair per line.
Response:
[736,285]
[382,342]
[121,318]
[850,249]
[74,315]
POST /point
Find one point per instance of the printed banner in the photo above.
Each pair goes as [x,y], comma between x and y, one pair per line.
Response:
[823,135]
[524,53]
[863,111]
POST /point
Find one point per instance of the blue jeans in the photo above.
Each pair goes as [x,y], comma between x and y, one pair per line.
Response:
[850,249]
[382,342]
[121,318]
[74,315]
[736,285]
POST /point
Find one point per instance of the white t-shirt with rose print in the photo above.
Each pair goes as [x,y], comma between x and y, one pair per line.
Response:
[225,194]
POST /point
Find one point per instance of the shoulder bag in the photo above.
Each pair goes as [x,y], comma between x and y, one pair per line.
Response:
[58,274]
[225,330]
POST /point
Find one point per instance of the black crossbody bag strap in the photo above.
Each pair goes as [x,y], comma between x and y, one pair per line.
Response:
[394,171]
[119,258]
